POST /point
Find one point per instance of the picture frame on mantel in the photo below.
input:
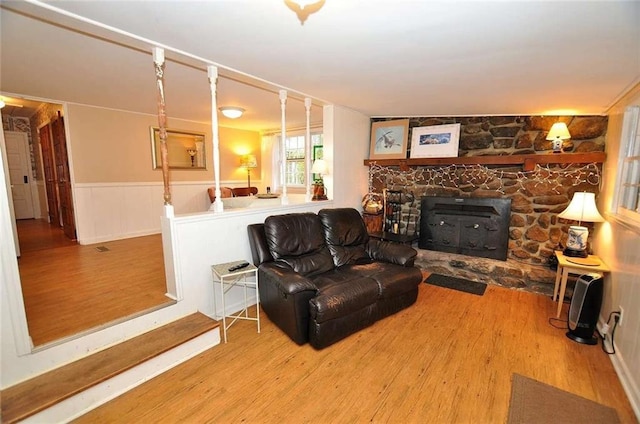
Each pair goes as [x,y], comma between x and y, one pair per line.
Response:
[435,141]
[389,139]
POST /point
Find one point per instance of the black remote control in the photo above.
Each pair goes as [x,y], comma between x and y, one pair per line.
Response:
[239,266]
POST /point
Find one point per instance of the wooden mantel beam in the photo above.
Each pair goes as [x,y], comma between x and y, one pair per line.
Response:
[528,162]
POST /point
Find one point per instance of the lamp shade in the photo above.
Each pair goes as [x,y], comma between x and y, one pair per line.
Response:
[319,167]
[231,112]
[582,208]
[559,131]
[248,161]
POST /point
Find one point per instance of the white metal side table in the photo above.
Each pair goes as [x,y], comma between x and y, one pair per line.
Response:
[238,278]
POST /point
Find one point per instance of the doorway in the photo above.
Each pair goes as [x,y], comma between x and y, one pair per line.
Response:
[19,163]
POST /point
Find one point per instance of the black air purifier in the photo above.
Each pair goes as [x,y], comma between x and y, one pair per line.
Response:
[585,309]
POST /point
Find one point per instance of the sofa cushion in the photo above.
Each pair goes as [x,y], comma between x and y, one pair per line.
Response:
[345,234]
[297,239]
[392,279]
[340,298]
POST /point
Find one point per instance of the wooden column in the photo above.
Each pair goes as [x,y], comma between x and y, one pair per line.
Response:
[283,167]
[217,205]
[158,62]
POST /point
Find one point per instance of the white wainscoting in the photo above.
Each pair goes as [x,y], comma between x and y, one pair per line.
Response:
[113,211]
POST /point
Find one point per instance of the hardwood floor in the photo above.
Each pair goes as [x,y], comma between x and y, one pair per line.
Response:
[69,289]
[38,234]
[447,359]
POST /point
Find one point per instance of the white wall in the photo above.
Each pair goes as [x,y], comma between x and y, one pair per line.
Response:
[115,210]
[346,141]
[618,246]
[111,211]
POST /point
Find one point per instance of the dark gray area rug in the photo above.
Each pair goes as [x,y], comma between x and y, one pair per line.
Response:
[456,284]
[533,402]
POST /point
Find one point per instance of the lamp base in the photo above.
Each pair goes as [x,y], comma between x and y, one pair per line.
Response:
[572,253]
[318,192]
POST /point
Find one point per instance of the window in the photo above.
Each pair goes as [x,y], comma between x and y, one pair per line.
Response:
[295,167]
[628,187]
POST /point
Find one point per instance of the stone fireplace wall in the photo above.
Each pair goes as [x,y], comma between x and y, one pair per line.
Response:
[537,197]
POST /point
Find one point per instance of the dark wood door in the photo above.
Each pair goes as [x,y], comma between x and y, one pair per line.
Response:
[64,180]
[51,185]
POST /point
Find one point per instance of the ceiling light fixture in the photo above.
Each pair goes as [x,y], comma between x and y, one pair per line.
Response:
[304,8]
[231,112]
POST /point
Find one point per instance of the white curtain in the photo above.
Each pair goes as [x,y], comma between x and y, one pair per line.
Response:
[271,161]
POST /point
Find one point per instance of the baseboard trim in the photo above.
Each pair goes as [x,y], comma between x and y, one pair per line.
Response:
[629,386]
[113,237]
[624,375]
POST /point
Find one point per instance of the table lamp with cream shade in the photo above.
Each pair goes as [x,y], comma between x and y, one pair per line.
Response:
[581,208]
[248,161]
[557,134]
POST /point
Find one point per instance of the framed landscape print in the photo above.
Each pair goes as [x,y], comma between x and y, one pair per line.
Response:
[436,141]
[389,139]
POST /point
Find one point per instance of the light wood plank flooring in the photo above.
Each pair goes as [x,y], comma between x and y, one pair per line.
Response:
[447,359]
[70,289]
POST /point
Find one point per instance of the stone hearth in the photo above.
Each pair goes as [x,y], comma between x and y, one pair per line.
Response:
[513,274]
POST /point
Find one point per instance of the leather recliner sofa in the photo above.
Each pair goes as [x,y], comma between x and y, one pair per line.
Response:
[321,278]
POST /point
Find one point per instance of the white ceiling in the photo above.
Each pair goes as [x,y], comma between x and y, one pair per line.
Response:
[378,57]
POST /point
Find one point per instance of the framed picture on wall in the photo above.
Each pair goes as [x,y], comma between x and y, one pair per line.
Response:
[185,149]
[436,141]
[389,139]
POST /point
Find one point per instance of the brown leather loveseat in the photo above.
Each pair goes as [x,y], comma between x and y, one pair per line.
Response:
[321,278]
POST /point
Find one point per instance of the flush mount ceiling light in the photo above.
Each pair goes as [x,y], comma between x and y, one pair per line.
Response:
[231,112]
[304,8]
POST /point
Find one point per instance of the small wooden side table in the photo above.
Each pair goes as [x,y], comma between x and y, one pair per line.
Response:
[569,265]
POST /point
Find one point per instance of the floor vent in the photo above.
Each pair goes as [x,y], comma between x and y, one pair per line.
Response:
[102,249]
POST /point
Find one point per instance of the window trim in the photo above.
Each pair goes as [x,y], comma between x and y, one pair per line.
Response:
[629,138]
[317,131]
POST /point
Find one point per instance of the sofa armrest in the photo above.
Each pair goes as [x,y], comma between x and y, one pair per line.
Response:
[395,253]
[286,279]
[284,296]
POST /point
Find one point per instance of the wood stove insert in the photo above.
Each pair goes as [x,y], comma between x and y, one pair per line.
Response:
[467,226]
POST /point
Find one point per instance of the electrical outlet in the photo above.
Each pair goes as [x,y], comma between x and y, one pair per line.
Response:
[621,313]
[604,330]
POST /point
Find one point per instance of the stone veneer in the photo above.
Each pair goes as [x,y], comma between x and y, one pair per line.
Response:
[535,230]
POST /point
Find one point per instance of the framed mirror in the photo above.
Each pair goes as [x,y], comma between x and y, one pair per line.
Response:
[185,149]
